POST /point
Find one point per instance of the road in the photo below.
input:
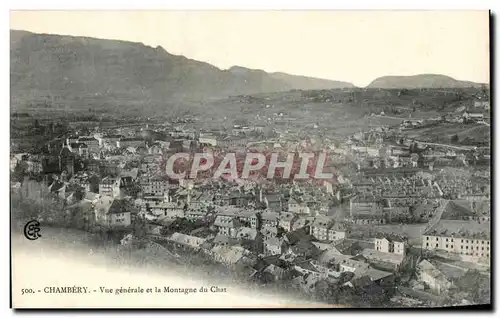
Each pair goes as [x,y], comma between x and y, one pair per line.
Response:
[438,213]
[400,118]
[445,145]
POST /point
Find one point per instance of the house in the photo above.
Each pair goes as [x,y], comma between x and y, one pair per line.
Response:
[170,210]
[110,140]
[125,186]
[129,142]
[195,214]
[365,206]
[66,160]
[482,104]
[436,280]
[301,223]
[233,142]
[114,212]
[338,231]
[80,149]
[229,255]
[250,238]
[269,219]
[106,186]
[237,199]
[72,139]
[468,240]
[298,235]
[474,117]
[332,256]
[275,246]
[320,227]
[272,202]
[308,269]
[276,271]
[111,168]
[227,226]
[223,240]
[91,144]
[35,164]
[389,261]
[390,244]
[380,277]
[184,240]
[269,231]
[91,197]
[153,186]
[153,229]
[207,139]
[305,249]
[369,220]
[247,233]
[83,212]
[148,163]
[286,220]
[298,206]
[359,268]
[248,218]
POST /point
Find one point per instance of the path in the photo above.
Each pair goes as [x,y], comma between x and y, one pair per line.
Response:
[437,215]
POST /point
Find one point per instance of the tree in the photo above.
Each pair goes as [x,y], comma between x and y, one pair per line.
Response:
[476,285]
[139,227]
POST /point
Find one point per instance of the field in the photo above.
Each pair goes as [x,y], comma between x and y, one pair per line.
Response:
[330,114]
[445,131]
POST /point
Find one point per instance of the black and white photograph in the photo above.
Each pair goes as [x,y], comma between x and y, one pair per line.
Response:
[250,159]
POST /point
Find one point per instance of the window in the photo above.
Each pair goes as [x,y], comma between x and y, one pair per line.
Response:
[427,244]
[461,241]
[452,246]
[446,240]
[461,247]
[446,245]
[437,239]
[466,241]
[427,238]
[452,240]
[437,245]
[466,247]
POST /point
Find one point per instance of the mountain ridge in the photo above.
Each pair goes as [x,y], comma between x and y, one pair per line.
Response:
[78,70]
[84,66]
[420,81]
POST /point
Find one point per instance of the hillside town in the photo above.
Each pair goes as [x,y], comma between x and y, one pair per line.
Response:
[404,221]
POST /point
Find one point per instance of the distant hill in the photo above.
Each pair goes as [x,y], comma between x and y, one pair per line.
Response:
[310,83]
[420,81]
[87,72]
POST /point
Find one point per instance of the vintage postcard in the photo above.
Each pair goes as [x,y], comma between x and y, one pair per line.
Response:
[250,159]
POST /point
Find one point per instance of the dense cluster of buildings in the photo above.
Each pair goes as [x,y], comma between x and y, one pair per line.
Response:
[303,232]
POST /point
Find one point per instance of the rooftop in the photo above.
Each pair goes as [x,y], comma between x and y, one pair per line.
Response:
[459,228]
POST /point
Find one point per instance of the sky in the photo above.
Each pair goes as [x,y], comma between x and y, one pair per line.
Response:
[352,46]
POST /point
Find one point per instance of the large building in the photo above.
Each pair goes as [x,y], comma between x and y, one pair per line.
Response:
[390,244]
[469,240]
